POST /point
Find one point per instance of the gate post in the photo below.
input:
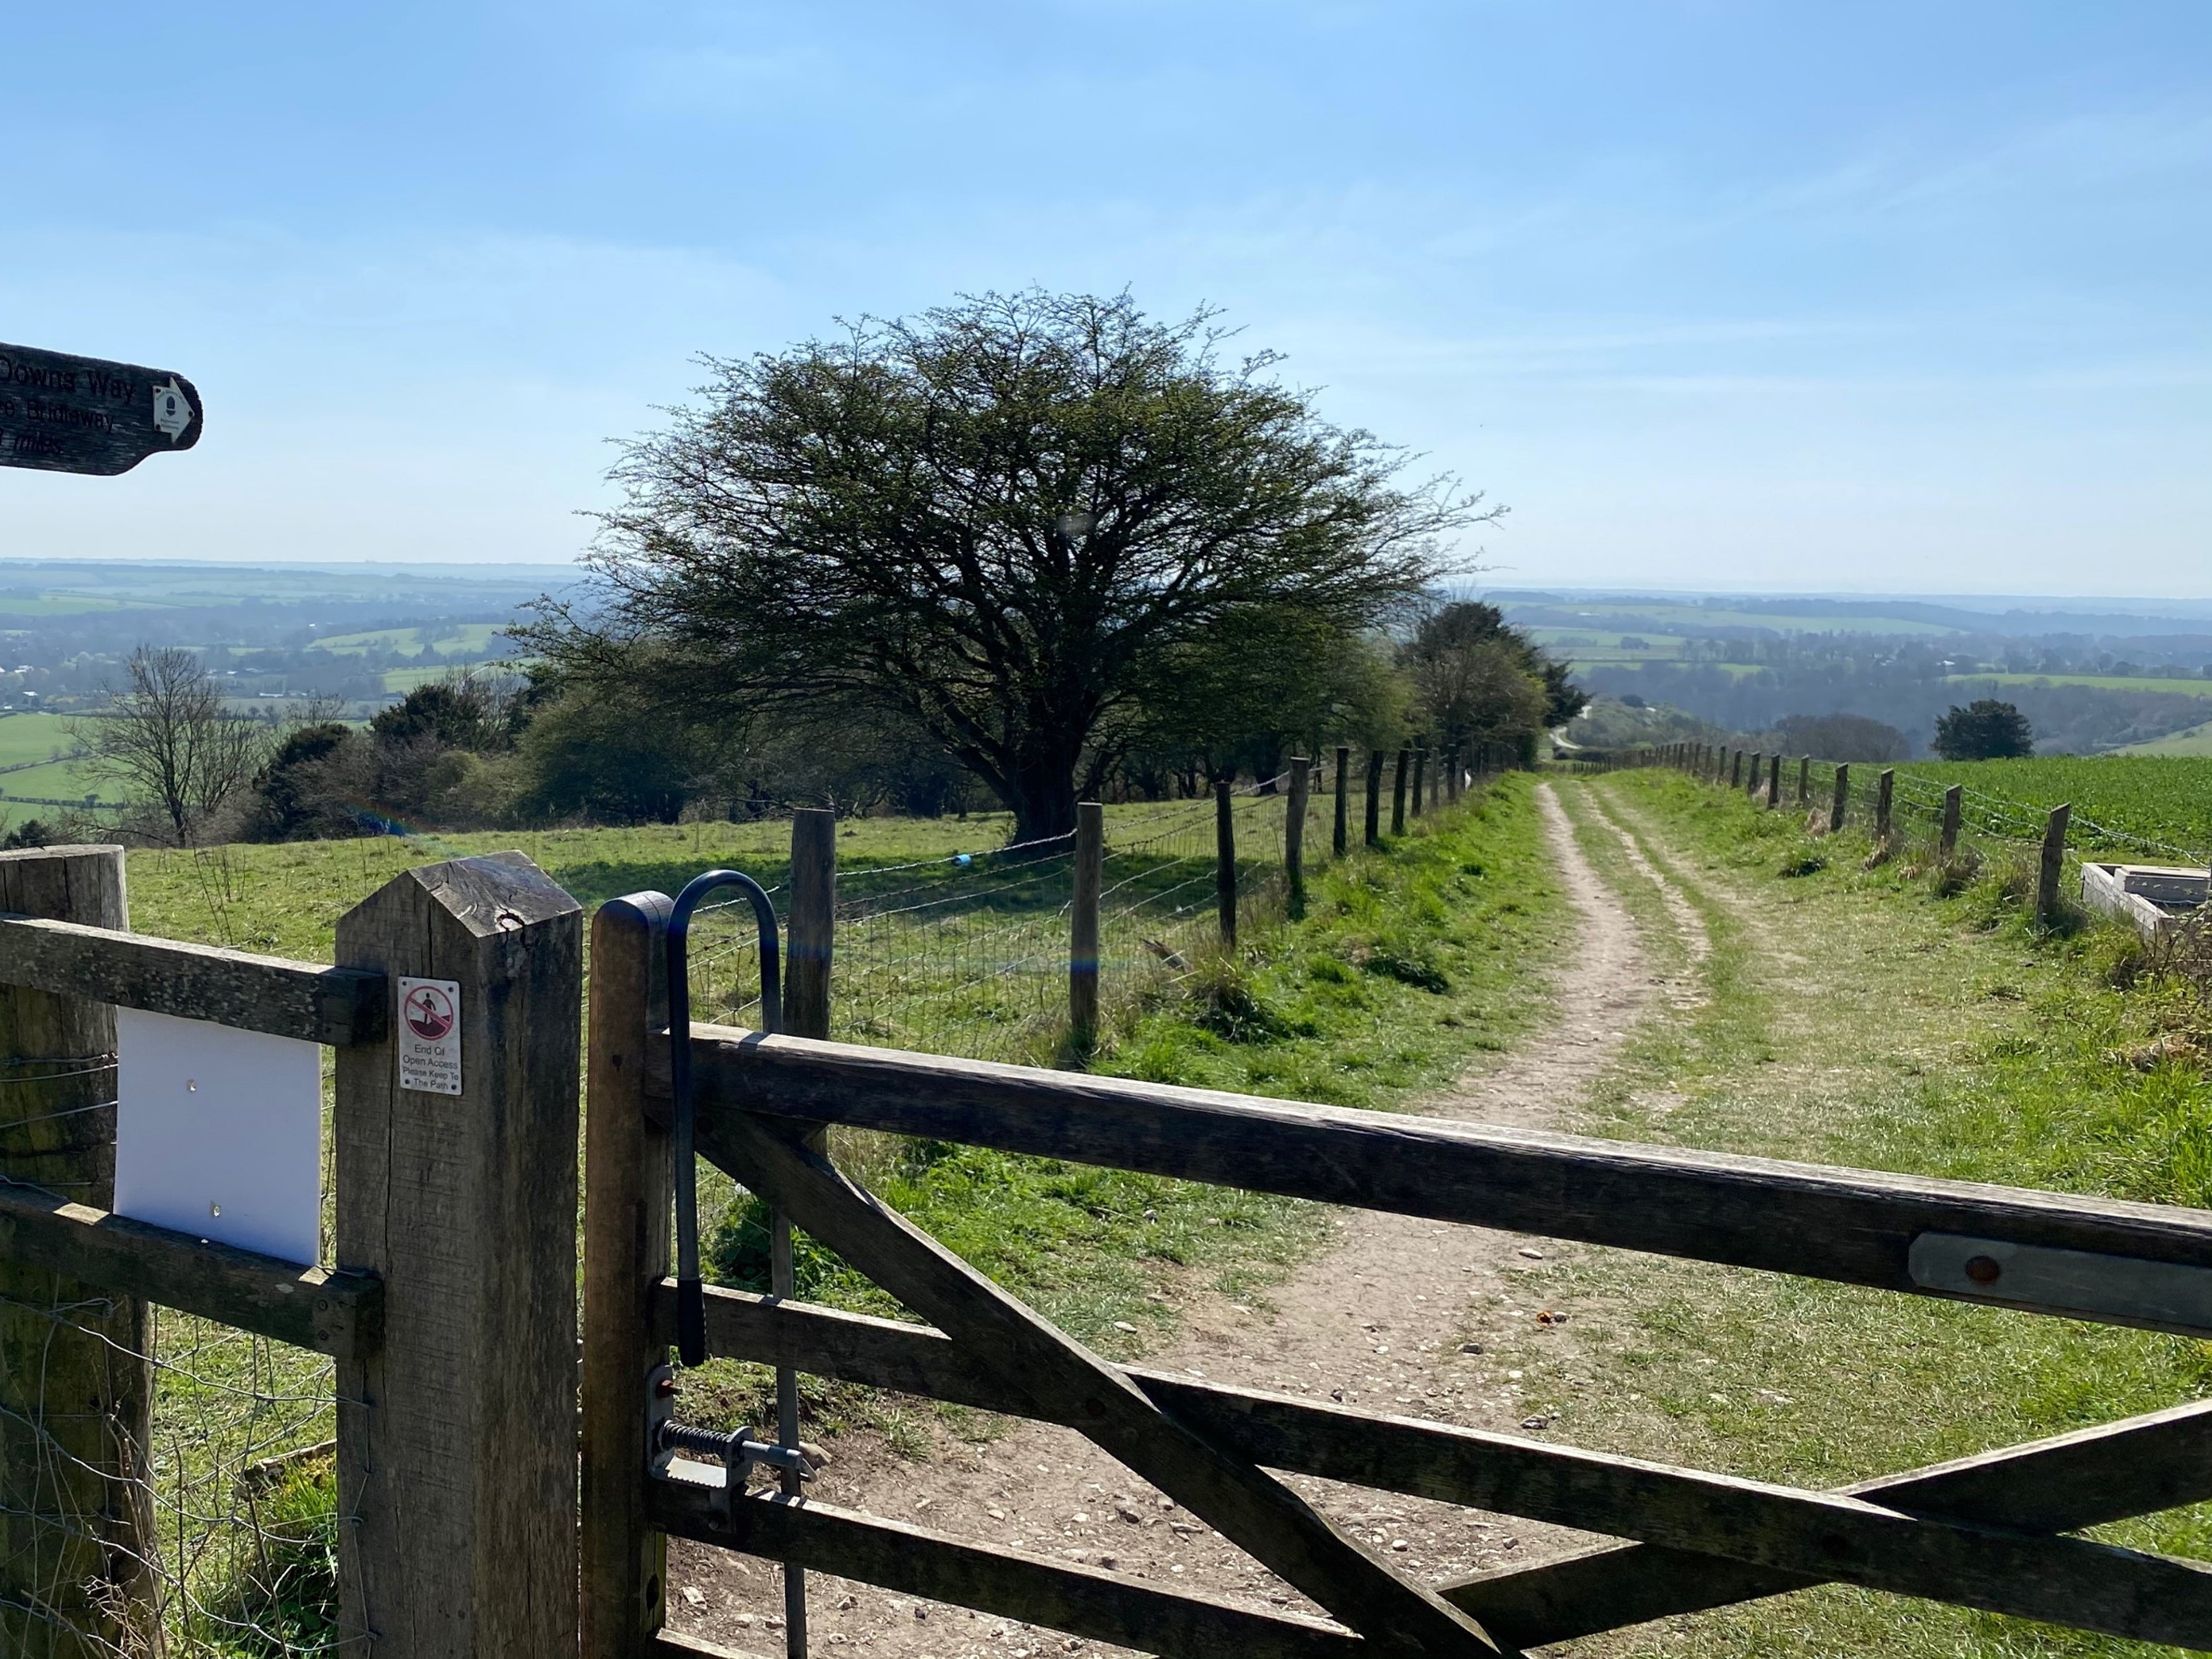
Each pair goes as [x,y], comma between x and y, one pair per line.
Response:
[457,1433]
[629,1192]
[75,1392]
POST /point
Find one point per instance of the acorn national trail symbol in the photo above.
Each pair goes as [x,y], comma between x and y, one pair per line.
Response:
[65,414]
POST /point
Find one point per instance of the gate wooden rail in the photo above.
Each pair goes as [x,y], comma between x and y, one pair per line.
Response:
[451,1317]
[1987,1532]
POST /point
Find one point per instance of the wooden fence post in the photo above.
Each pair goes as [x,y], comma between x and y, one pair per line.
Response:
[1884,785]
[1343,803]
[1804,779]
[1373,824]
[1420,776]
[1294,835]
[1774,781]
[1083,925]
[77,1390]
[1398,791]
[2053,864]
[457,1434]
[1758,767]
[1947,841]
[1453,780]
[1843,796]
[812,924]
[1224,860]
[628,1176]
[1735,771]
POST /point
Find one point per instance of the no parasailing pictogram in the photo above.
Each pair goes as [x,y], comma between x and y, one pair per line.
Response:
[65,414]
[430,1036]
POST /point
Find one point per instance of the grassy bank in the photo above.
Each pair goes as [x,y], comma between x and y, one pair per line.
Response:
[1870,1016]
[1408,965]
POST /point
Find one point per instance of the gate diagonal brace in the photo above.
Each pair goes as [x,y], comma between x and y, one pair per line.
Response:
[1060,1379]
[2113,1472]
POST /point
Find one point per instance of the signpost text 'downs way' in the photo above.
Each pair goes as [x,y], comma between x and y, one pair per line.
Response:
[65,414]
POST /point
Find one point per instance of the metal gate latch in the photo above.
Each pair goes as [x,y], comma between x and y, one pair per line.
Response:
[740,1450]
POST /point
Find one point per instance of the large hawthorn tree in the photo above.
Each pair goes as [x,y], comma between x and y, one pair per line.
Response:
[997,522]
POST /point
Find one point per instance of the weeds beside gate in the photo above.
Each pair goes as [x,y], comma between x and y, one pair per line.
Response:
[1989,1532]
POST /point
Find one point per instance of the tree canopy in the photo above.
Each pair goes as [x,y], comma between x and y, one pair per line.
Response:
[1985,729]
[998,522]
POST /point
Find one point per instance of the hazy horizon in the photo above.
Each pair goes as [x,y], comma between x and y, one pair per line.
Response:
[1715,295]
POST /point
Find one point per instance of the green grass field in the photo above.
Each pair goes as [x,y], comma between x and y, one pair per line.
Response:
[1857,1016]
[2196,740]
[2156,798]
[458,637]
[2187,688]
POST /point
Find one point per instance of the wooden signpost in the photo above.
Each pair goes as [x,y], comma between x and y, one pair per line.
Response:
[65,414]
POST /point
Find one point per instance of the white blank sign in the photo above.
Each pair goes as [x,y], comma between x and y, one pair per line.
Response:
[219,1132]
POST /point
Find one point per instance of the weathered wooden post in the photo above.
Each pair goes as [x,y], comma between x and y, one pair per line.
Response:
[1420,777]
[812,924]
[75,1379]
[1735,769]
[1804,779]
[1224,860]
[1083,925]
[1774,781]
[2052,866]
[1947,841]
[1398,791]
[1294,835]
[1758,769]
[1454,780]
[456,1165]
[628,1174]
[1343,804]
[1884,785]
[1374,824]
[1843,796]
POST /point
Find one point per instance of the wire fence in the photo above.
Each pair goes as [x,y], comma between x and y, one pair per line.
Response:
[217,1528]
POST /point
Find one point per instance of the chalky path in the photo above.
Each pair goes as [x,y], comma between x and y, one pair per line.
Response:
[1397,1316]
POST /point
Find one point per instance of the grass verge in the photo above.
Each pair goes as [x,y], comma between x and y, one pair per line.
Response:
[1891,1015]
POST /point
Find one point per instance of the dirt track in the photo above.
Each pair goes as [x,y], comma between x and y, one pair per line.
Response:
[1395,1317]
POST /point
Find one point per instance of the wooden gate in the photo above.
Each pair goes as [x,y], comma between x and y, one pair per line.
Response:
[1988,1532]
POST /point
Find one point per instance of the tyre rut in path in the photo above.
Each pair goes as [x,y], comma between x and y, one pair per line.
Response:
[1381,1320]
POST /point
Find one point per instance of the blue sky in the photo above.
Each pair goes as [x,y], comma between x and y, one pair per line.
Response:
[1880,297]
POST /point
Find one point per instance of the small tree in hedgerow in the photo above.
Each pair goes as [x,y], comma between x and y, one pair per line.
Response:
[1985,730]
[998,521]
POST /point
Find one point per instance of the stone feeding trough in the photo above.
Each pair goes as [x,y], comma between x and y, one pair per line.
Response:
[2154,896]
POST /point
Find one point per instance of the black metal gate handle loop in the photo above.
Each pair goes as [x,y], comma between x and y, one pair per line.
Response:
[690,1295]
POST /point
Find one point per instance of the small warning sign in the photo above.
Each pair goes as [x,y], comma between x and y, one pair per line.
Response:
[430,1036]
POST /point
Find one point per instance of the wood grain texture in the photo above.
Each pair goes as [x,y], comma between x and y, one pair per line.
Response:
[1340,827]
[1853,1226]
[1083,925]
[629,1190]
[1862,1535]
[811,929]
[1083,1601]
[308,1307]
[2139,1466]
[456,1442]
[336,1006]
[1059,1379]
[75,1389]
[60,413]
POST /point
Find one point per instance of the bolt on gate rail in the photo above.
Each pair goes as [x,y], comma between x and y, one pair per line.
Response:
[1989,1532]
